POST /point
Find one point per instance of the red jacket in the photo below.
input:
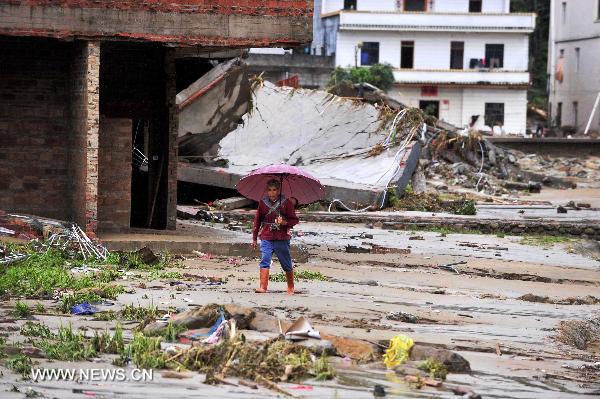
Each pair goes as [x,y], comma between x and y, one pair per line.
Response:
[266,219]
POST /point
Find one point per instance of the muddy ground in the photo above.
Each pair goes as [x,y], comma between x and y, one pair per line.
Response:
[476,312]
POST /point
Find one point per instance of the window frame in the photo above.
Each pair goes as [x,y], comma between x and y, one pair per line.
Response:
[346,6]
[488,50]
[490,114]
[462,50]
[407,44]
[425,6]
[367,50]
[474,2]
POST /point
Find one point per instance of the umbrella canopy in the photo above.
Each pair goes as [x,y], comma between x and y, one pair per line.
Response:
[295,182]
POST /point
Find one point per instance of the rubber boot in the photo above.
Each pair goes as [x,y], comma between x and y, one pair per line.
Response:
[289,276]
[264,281]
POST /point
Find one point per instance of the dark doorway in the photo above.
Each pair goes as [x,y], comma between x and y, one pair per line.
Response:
[133,86]
[430,108]
[494,55]
[559,114]
[457,53]
[494,114]
[407,54]
[415,5]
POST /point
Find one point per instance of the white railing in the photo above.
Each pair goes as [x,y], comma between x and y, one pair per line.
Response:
[484,76]
[378,20]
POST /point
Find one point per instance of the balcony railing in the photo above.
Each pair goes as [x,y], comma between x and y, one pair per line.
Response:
[419,21]
[467,76]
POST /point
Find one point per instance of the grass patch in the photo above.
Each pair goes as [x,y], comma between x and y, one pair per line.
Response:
[38,330]
[21,310]
[144,352]
[435,368]
[160,275]
[39,275]
[170,333]
[323,369]
[39,308]
[20,364]
[304,275]
[544,240]
[429,202]
[70,345]
[140,313]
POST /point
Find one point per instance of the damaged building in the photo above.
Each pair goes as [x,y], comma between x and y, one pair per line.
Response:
[88,109]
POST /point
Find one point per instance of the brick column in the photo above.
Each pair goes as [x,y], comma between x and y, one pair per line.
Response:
[83,143]
[92,138]
[171,92]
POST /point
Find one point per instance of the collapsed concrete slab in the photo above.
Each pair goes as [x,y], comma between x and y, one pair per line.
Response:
[211,107]
[332,137]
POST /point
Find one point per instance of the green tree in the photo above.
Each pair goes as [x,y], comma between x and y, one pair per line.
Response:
[379,75]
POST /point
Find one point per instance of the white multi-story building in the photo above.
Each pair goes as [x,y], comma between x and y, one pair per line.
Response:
[574,63]
[460,60]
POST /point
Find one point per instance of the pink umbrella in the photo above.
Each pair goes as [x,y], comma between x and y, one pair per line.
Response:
[295,182]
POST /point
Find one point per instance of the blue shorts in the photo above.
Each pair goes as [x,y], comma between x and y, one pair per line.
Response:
[281,249]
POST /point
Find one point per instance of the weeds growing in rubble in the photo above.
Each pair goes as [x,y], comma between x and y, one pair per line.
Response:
[90,295]
[429,202]
[304,275]
[21,310]
[37,330]
[323,369]
[170,332]
[140,313]
[20,364]
[70,345]
[160,275]
[544,240]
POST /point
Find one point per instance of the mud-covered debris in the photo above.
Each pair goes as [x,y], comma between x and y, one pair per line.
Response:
[453,362]
[586,300]
[580,333]
[403,317]
[147,256]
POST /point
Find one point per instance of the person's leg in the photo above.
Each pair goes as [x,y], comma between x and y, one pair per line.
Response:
[266,251]
[282,250]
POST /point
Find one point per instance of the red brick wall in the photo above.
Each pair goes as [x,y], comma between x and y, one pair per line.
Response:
[114,174]
[34,127]
[244,23]
[244,7]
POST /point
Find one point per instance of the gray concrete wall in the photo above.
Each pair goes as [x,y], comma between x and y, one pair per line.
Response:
[314,71]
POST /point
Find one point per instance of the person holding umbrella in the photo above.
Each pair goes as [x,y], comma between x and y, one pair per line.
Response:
[274,219]
[277,189]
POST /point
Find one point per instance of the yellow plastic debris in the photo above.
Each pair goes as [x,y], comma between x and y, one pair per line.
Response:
[398,351]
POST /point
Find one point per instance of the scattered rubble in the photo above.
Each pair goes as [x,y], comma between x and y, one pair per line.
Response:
[581,334]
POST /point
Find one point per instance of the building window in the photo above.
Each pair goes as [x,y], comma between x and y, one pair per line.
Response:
[429,91]
[494,55]
[415,5]
[577,53]
[475,5]
[457,52]
[349,4]
[598,16]
[369,53]
[407,55]
[575,116]
[494,114]
[559,114]
[430,108]
[564,12]
[562,53]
